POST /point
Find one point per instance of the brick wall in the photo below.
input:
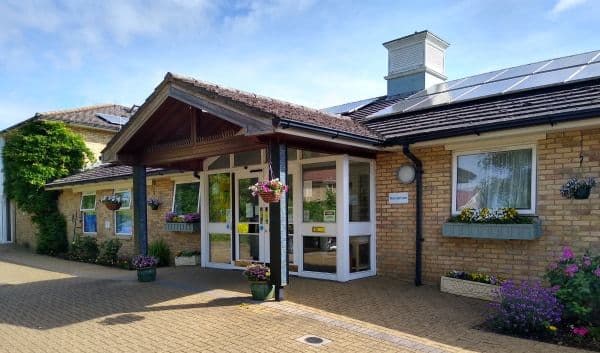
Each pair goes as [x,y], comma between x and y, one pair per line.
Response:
[565,222]
[25,229]
[161,188]
[95,139]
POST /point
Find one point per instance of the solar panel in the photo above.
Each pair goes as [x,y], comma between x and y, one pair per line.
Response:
[113,119]
[529,76]
[349,107]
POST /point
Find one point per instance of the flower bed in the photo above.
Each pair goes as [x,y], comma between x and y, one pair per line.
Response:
[473,285]
[566,313]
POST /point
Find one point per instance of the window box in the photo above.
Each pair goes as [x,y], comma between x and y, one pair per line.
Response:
[193,260]
[466,288]
[527,231]
[182,227]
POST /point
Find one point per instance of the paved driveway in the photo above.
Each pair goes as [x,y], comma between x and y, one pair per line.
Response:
[51,305]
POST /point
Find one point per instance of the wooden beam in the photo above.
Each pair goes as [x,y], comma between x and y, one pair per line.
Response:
[200,151]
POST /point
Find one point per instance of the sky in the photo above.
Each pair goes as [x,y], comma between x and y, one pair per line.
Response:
[65,54]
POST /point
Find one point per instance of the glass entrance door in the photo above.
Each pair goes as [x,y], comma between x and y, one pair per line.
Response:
[219,218]
[252,243]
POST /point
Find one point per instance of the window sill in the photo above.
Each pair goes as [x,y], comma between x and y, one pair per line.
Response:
[90,234]
[124,236]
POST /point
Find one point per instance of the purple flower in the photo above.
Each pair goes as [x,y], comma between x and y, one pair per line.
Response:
[587,262]
[553,266]
[567,254]
[597,271]
[143,261]
[571,270]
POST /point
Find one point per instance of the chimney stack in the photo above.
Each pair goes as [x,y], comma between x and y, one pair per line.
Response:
[415,62]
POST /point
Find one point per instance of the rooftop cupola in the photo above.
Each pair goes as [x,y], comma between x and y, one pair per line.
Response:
[415,62]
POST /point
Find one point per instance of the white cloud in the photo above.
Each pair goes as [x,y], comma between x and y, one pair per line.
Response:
[564,5]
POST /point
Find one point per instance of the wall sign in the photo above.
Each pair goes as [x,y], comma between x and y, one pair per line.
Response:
[398,198]
[318,229]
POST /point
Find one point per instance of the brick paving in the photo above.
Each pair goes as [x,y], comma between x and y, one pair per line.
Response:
[52,305]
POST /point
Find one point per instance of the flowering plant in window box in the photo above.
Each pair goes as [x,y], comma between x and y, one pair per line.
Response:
[577,188]
[154,203]
[473,285]
[112,202]
[187,223]
[270,191]
[504,223]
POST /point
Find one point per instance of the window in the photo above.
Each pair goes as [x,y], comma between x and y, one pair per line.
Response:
[360,253]
[186,198]
[123,216]
[220,163]
[360,196]
[495,179]
[241,159]
[319,254]
[318,187]
[88,213]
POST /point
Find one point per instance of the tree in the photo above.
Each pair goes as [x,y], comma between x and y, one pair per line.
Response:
[35,154]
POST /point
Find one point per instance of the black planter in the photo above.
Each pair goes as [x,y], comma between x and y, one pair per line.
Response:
[582,193]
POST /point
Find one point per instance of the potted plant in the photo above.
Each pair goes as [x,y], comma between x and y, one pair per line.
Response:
[270,191]
[578,189]
[504,223]
[187,223]
[112,202]
[187,258]
[473,285]
[146,267]
[154,203]
[259,275]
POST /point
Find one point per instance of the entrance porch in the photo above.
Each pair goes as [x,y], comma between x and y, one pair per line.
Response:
[228,140]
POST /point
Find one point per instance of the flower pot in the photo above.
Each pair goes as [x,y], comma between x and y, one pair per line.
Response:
[469,289]
[182,227]
[523,231]
[262,290]
[154,207]
[112,206]
[270,197]
[582,193]
[187,260]
[146,274]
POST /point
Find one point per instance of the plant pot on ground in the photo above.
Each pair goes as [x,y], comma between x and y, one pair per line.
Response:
[146,267]
[259,277]
[187,258]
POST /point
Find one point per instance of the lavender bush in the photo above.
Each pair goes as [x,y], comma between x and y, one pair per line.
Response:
[257,273]
[526,309]
[143,261]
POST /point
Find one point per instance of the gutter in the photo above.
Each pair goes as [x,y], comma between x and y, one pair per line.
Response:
[419,213]
[285,123]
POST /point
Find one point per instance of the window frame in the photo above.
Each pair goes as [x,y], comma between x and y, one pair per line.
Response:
[532,147]
[175,190]
[83,210]
[123,209]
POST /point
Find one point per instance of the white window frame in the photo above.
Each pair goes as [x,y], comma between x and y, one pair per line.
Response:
[124,209]
[186,182]
[83,210]
[533,147]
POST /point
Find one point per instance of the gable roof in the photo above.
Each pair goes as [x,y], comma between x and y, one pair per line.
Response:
[89,116]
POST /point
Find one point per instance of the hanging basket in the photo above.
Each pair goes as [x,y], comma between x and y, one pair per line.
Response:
[269,197]
[113,206]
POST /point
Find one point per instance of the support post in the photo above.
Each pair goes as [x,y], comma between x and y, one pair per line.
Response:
[140,210]
[278,220]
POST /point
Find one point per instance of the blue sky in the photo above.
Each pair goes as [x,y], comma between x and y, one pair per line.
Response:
[57,55]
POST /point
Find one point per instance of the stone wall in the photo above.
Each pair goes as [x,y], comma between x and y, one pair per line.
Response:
[565,222]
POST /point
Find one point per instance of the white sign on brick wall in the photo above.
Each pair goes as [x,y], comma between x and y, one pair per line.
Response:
[398,197]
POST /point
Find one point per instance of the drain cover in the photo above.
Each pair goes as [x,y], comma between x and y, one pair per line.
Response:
[313,340]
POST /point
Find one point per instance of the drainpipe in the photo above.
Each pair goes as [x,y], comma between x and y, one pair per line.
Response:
[419,213]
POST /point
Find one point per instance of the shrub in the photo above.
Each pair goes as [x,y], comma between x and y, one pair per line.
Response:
[108,252]
[578,280]
[84,249]
[257,273]
[526,309]
[160,249]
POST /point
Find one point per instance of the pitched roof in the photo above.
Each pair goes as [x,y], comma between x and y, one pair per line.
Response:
[85,116]
[540,106]
[104,172]
[276,108]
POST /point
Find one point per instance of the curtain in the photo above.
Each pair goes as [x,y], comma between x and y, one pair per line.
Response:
[494,180]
